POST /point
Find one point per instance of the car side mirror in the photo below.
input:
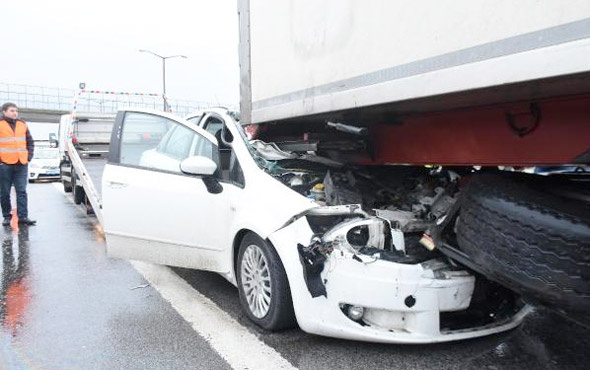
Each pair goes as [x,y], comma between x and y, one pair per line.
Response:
[198,165]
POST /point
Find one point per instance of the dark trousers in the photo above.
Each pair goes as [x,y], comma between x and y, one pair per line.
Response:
[16,174]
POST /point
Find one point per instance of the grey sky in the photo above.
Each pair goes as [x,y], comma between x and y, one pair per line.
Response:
[60,43]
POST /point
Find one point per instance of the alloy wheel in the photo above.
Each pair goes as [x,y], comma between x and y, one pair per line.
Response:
[256,281]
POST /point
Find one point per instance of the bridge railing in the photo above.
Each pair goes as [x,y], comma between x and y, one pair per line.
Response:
[37,97]
[92,101]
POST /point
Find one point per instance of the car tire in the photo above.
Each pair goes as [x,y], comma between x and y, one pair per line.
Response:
[259,265]
[531,234]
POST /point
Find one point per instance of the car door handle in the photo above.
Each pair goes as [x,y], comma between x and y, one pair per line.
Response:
[116,185]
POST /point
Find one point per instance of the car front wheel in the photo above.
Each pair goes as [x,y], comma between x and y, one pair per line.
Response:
[263,286]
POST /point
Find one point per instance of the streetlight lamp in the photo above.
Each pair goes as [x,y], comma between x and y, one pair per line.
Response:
[163,71]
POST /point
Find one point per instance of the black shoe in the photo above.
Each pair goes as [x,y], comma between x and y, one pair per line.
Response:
[26,221]
[6,221]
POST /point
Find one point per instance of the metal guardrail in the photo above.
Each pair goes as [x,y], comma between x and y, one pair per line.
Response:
[92,101]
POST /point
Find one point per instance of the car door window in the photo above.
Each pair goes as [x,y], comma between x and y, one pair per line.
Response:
[141,133]
[213,125]
[160,143]
[202,147]
[236,174]
[179,143]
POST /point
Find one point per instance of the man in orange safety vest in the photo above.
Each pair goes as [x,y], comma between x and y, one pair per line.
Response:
[16,150]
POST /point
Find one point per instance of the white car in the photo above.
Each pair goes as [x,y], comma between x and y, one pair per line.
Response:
[44,164]
[201,195]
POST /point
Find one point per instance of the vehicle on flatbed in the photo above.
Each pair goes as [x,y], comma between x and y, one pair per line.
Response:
[45,164]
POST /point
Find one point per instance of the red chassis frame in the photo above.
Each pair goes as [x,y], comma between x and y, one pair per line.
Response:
[551,131]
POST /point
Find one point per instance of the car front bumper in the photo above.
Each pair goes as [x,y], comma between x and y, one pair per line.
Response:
[43,173]
[402,303]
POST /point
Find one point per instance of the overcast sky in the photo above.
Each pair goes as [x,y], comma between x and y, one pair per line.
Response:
[60,43]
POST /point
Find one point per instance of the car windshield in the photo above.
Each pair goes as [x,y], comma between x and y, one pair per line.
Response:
[46,154]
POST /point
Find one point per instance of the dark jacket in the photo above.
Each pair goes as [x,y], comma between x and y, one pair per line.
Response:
[30,141]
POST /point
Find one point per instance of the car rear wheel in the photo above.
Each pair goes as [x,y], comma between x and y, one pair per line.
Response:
[263,285]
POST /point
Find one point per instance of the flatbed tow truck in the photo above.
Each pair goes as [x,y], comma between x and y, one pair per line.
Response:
[85,145]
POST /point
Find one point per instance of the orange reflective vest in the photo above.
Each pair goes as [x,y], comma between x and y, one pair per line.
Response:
[13,144]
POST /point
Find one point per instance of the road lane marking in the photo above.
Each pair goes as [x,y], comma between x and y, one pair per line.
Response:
[59,186]
[240,348]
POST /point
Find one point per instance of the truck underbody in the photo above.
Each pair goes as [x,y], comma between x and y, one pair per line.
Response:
[426,175]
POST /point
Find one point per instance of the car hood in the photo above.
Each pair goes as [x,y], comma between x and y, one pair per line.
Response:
[45,162]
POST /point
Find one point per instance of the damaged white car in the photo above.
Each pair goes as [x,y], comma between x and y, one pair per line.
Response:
[342,251]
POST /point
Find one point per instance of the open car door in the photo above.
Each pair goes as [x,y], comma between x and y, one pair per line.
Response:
[152,210]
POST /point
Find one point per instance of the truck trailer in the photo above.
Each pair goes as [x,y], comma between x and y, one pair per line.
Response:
[465,123]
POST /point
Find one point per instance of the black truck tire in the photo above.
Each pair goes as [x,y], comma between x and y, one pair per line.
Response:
[67,186]
[531,234]
[78,194]
[78,191]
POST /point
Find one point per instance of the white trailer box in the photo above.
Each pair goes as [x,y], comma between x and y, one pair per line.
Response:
[306,57]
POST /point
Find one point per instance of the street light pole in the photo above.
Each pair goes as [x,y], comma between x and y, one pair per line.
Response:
[163,71]
[164,79]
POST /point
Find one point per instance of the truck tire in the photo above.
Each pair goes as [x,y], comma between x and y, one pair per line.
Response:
[78,191]
[79,194]
[67,186]
[525,233]
[261,275]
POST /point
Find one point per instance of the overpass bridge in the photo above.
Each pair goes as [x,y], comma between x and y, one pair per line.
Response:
[47,104]
[41,115]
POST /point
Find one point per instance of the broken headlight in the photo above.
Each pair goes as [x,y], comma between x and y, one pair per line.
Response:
[357,234]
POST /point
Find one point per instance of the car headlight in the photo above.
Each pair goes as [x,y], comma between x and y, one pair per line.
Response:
[358,233]
[34,165]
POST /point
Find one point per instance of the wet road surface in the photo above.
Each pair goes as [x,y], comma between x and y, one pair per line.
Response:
[544,341]
[66,306]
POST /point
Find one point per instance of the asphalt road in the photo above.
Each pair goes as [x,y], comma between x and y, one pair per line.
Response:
[65,305]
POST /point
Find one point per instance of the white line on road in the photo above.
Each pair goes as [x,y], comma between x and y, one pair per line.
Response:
[234,343]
